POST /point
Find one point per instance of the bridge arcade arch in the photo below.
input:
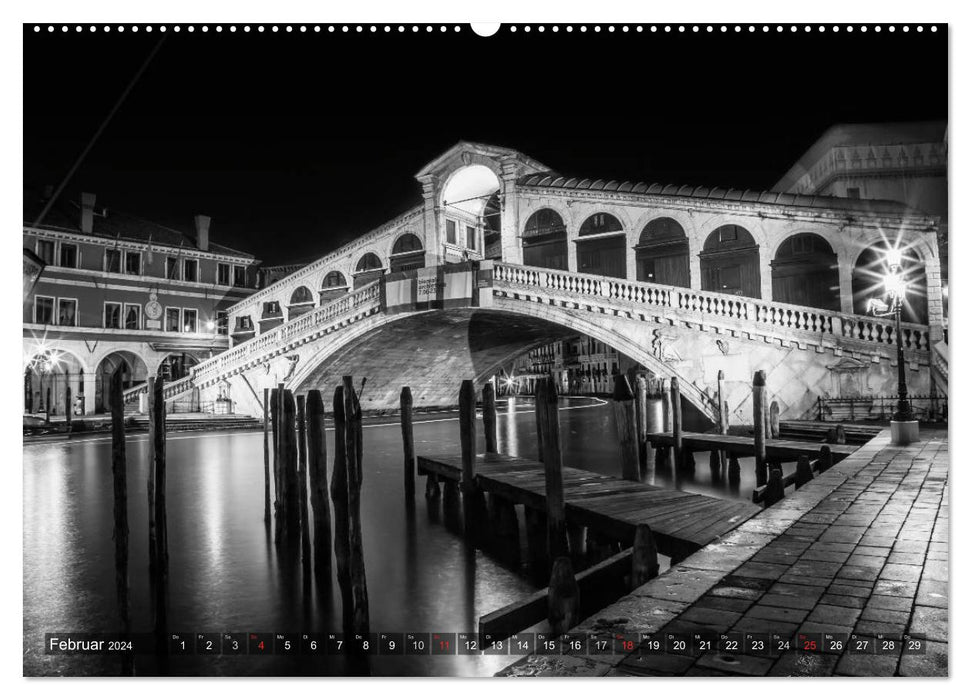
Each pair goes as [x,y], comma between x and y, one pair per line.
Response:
[602,246]
[805,272]
[730,262]
[545,240]
[662,253]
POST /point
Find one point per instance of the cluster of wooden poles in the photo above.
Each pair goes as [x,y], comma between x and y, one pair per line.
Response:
[295,427]
[555,548]
[158,551]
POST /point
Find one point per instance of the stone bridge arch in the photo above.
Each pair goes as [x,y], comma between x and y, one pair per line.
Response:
[433,351]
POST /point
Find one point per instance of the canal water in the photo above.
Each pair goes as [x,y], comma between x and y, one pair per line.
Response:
[226,575]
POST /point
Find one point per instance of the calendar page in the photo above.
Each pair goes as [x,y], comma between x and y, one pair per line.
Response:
[553,349]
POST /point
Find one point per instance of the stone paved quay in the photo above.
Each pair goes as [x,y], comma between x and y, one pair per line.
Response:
[860,549]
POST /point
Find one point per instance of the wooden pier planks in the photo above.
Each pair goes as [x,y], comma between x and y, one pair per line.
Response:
[681,522]
[776,450]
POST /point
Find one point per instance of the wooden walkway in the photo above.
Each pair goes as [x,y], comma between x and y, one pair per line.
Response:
[681,522]
[744,446]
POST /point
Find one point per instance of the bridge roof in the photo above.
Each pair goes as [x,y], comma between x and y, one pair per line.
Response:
[554,180]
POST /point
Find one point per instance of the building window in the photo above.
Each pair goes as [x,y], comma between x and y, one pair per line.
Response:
[44,310]
[67,312]
[470,237]
[133,263]
[243,323]
[45,250]
[239,276]
[222,274]
[133,317]
[190,270]
[69,255]
[222,323]
[112,260]
[171,268]
[853,192]
[450,231]
[112,314]
[189,319]
[271,309]
[172,318]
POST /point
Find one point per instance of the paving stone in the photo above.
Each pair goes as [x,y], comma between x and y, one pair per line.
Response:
[932,593]
[871,665]
[837,615]
[680,584]
[933,662]
[890,602]
[796,589]
[761,625]
[869,562]
[930,623]
[789,601]
[718,602]
[906,589]
[860,573]
[897,617]
[633,614]
[844,601]
[722,620]
[936,570]
[913,558]
[558,666]
[843,586]
[761,570]
[872,628]
[657,664]
[768,612]
[901,572]
[740,665]
[800,664]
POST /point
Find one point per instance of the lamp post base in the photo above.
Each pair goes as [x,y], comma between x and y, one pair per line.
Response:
[903,432]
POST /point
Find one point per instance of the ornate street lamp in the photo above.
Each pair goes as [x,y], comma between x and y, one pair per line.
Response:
[903,424]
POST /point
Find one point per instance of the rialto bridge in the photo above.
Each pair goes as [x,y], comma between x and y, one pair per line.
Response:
[504,255]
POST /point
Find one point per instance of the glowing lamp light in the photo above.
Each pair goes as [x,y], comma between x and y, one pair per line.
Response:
[894,257]
[895,285]
[210,326]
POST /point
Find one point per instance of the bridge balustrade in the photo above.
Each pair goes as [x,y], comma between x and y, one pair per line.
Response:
[776,314]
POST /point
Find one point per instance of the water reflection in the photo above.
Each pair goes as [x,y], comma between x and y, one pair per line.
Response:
[226,575]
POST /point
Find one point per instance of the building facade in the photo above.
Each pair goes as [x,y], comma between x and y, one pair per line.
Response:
[580,365]
[119,291]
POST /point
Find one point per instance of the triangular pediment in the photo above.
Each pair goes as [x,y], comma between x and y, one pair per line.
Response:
[468,152]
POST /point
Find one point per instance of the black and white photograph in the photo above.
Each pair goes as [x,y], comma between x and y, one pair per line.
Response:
[459,350]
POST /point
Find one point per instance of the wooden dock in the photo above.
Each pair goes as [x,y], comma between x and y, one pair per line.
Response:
[682,522]
[744,446]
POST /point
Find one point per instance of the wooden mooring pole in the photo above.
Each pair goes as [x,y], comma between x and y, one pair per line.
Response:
[758,425]
[156,402]
[644,564]
[646,456]
[408,442]
[276,417]
[548,407]
[120,489]
[317,468]
[676,430]
[489,416]
[473,501]
[150,488]
[774,420]
[302,479]
[291,488]
[338,494]
[354,455]
[266,456]
[625,420]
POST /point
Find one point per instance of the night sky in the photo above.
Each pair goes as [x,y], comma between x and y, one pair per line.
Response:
[296,143]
